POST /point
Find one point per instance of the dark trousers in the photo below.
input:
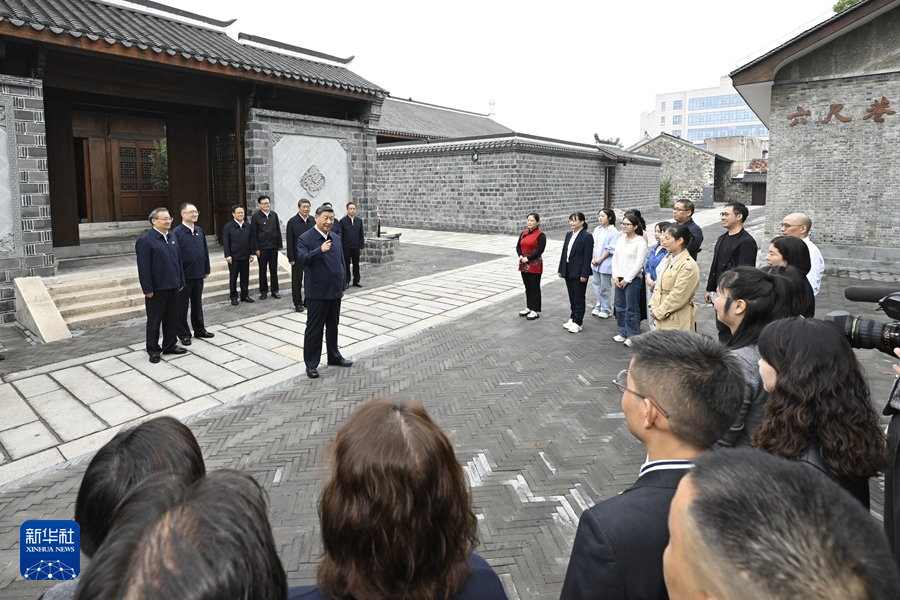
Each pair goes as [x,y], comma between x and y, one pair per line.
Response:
[162,309]
[239,267]
[321,314]
[577,292]
[296,282]
[192,293]
[268,258]
[532,283]
[351,254]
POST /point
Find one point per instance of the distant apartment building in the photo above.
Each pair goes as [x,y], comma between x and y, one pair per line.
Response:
[695,115]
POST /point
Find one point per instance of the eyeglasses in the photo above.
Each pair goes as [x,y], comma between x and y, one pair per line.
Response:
[787,225]
[164,219]
[676,209]
[192,212]
[725,214]
[626,224]
[623,376]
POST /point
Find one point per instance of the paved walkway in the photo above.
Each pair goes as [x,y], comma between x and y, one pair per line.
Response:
[528,406]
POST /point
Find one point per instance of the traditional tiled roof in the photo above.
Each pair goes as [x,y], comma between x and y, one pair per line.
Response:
[675,140]
[754,178]
[427,121]
[109,25]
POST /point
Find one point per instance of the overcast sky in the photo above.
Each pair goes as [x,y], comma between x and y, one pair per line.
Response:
[558,69]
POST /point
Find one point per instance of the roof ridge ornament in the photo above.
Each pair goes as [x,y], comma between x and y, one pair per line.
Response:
[282,46]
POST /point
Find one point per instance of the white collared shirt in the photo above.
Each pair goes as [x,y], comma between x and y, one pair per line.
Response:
[665,465]
[571,243]
[240,223]
[818,266]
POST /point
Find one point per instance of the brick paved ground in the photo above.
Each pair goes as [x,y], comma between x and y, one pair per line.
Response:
[528,406]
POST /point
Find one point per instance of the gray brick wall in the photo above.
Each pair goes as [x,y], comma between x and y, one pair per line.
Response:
[27,250]
[689,168]
[844,175]
[735,191]
[441,187]
[357,138]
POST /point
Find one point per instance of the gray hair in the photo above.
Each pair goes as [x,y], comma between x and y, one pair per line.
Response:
[768,528]
[155,213]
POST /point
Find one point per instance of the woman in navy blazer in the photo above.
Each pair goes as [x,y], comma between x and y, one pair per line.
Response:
[396,515]
[575,268]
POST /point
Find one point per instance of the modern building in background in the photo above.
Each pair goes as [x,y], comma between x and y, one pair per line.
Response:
[695,115]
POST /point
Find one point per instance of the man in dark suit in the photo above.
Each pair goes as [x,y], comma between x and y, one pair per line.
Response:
[195,260]
[683,213]
[162,277]
[321,254]
[354,239]
[236,242]
[677,414]
[734,248]
[266,242]
[297,226]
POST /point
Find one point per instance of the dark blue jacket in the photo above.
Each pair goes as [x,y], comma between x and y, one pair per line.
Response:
[579,264]
[265,231]
[236,240]
[194,251]
[325,275]
[159,263]
[352,233]
[296,227]
[482,585]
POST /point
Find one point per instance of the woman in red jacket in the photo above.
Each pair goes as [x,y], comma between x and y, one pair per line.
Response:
[529,249]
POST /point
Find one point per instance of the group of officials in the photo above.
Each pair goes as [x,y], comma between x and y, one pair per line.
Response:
[172,266]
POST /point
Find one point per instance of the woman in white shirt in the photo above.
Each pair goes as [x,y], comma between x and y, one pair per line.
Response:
[627,266]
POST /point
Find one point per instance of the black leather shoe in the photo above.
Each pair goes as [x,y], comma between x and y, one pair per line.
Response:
[263,296]
[154,358]
[299,308]
[341,363]
[234,301]
[312,373]
[185,341]
[276,295]
[248,299]
[357,284]
[204,334]
[175,350]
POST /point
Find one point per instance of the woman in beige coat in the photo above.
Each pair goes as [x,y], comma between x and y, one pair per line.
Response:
[672,305]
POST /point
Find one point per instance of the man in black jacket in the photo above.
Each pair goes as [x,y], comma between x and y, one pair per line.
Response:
[683,213]
[195,260]
[297,226]
[266,242]
[354,239]
[677,414]
[734,248]
[236,242]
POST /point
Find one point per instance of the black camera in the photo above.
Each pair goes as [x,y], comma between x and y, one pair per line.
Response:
[868,333]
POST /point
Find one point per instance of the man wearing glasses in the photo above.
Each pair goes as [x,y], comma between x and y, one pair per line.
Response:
[266,242]
[734,248]
[677,413]
[798,225]
[683,213]
[195,260]
[162,277]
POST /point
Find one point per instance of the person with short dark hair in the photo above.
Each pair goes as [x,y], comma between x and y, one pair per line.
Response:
[396,514]
[745,525]
[297,226]
[321,253]
[236,243]
[734,248]
[655,257]
[195,261]
[575,269]
[530,249]
[266,242]
[683,213]
[627,268]
[788,251]
[680,394]
[205,540]
[161,276]
[605,237]
[820,409]
[353,236]
[747,300]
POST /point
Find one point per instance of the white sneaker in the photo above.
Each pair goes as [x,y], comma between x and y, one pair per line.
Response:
[567,323]
[619,338]
[603,315]
[533,315]
[596,312]
[628,342]
[574,328]
[524,312]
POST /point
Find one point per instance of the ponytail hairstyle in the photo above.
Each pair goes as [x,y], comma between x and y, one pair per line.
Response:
[680,232]
[580,217]
[768,296]
[799,296]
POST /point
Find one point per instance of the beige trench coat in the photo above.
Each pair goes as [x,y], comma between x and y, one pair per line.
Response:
[673,296]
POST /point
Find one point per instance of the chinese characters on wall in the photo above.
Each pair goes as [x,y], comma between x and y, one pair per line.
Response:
[876,112]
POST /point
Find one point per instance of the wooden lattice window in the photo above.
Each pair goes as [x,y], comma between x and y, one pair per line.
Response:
[147,160]
[128,169]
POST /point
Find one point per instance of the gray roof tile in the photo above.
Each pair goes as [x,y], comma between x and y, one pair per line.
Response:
[415,119]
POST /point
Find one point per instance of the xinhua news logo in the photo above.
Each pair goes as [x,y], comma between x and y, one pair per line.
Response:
[49,550]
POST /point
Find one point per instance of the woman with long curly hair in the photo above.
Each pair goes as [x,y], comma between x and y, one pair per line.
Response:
[396,515]
[819,410]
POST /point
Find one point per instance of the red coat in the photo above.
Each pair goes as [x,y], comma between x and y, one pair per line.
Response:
[531,245]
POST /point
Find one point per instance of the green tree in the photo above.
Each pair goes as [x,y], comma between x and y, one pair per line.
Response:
[665,192]
[842,5]
[159,175]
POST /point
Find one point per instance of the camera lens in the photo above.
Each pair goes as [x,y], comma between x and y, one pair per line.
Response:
[867,333]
